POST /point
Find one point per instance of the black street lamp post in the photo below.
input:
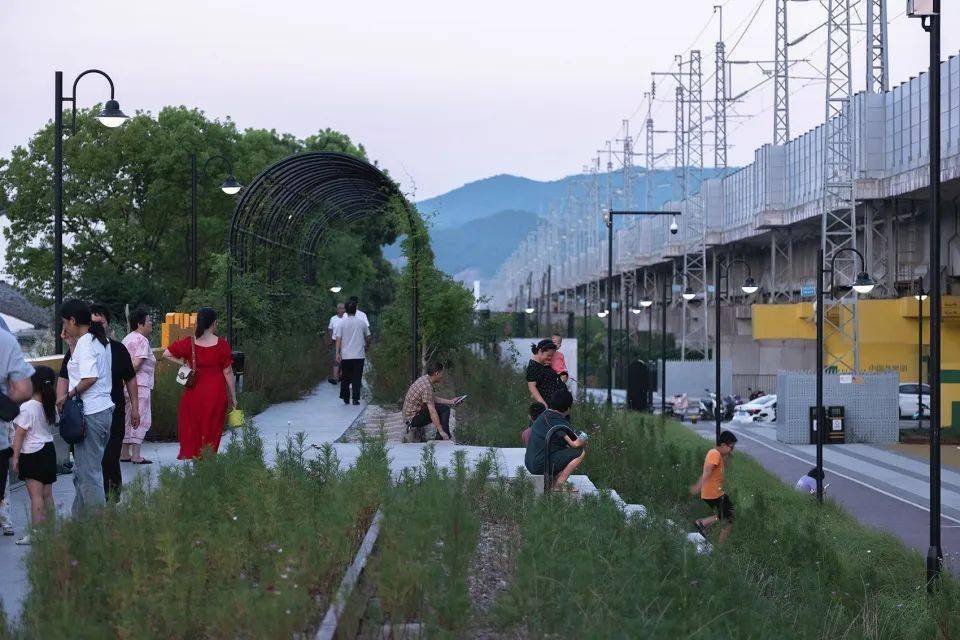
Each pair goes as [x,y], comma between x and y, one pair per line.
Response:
[110,116]
[608,219]
[862,284]
[230,186]
[663,349]
[749,286]
[920,295]
[929,13]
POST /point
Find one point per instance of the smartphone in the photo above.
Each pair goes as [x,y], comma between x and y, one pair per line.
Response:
[459,400]
[583,436]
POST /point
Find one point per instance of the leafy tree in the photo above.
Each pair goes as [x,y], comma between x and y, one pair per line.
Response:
[127,204]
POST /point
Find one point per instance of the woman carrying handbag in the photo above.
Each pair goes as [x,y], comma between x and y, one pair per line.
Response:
[206,373]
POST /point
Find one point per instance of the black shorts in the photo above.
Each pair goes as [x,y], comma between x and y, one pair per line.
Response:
[560,459]
[723,506]
[40,465]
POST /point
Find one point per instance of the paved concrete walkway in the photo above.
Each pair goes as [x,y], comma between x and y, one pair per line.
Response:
[881,488]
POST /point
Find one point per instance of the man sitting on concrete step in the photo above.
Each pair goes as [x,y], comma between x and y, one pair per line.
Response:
[566,445]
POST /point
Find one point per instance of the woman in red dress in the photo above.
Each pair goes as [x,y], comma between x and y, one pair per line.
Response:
[203,407]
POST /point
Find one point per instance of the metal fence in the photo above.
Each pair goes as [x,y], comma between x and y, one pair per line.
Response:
[870,402]
[745,383]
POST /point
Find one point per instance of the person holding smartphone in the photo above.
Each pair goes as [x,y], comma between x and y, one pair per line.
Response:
[421,406]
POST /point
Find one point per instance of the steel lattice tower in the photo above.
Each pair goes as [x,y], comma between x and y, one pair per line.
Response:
[694,338]
[839,216]
[720,100]
[878,80]
[781,78]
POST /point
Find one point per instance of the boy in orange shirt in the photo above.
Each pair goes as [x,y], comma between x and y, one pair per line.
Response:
[710,486]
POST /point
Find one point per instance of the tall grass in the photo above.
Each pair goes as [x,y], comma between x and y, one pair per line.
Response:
[221,548]
[430,530]
[850,579]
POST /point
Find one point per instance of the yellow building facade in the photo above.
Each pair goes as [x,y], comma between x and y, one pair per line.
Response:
[889,339]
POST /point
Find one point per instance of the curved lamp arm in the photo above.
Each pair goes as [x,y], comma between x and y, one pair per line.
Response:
[725,274]
[73,98]
[222,158]
[833,264]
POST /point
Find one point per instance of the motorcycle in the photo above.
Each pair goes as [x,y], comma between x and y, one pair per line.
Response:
[706,405]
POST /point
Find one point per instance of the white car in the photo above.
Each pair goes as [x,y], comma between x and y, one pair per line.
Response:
[762,409]
[908,399]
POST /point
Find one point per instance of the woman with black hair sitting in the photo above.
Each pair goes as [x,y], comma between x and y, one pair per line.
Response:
[203,407]
[542,380]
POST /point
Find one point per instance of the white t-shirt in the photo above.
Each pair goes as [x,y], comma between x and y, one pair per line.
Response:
[335,321]
[334,326]
[807,484]
[90,359]
[352,332]
[33,420]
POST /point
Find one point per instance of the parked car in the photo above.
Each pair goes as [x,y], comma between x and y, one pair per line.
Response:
[908,399]
[762,409]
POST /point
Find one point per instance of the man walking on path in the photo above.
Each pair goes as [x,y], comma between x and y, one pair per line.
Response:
[420,405]
[710,486]
[353,338]
[360,314]
[332,342]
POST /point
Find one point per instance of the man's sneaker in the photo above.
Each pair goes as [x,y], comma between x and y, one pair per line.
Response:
[25,540]
[7,529]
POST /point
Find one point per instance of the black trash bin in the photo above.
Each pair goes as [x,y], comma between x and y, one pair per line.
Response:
[836,425]
[638,386]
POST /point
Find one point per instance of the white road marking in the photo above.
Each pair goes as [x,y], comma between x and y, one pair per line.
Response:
[850,478]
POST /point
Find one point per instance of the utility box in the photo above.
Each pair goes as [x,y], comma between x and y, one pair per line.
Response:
[639,386]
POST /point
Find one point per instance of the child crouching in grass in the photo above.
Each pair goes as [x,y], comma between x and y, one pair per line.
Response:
[34,456]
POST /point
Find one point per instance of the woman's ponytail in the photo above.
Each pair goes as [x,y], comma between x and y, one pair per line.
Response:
[99,332]
[205,319]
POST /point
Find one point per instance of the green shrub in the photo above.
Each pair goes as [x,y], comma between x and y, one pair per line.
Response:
[221,548]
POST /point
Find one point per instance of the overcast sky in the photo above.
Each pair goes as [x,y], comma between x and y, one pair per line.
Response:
[442,93]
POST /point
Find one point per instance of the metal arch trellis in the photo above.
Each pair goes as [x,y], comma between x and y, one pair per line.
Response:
[290,205]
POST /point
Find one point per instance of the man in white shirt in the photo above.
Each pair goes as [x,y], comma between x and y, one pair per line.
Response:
[89,373]
[331,338]
[360,314]
[353,338]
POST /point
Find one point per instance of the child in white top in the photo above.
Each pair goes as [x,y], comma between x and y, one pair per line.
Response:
[34,456]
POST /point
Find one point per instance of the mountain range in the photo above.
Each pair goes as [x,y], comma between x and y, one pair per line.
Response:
[475,227]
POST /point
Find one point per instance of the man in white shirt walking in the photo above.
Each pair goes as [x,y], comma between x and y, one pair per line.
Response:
[332,342]
[353,338]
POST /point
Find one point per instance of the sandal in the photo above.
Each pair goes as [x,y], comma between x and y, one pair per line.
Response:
[126,459]
[142,461]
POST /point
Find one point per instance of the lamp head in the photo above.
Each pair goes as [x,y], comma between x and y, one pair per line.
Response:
[688,294]
[602,314]
[230,186]
[336,289]
[529,310]
[920,8]
[749,286]
[920,296]
[864,283]
[111,116]
[646,303]
[674,227]
[636,311]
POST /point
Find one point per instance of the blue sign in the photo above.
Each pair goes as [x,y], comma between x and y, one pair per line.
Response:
[808,291]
